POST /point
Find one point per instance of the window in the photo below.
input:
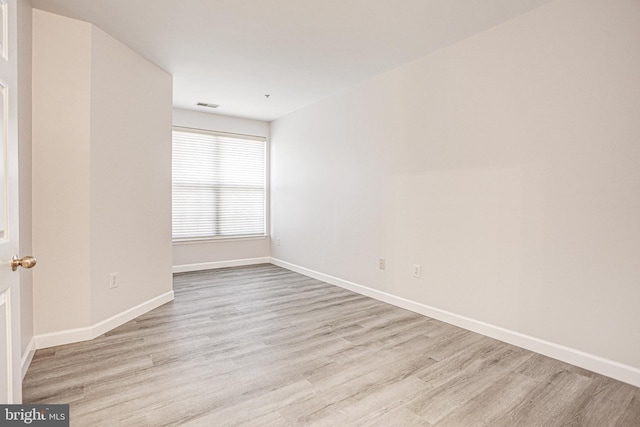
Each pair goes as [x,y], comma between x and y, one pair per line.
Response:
[218,185]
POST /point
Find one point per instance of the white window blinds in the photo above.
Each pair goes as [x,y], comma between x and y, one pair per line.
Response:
[218,185]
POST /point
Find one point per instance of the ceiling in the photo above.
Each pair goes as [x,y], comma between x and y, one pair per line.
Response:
[234,52]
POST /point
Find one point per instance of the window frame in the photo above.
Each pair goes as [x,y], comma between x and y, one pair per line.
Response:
[265,212]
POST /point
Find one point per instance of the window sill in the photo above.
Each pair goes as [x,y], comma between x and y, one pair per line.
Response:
[216,240]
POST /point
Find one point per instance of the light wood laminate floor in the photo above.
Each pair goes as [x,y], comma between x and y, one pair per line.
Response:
[263,346]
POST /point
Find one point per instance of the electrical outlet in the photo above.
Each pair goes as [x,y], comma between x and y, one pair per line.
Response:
[113,280]
[382,264]
[417,271]
[277,241]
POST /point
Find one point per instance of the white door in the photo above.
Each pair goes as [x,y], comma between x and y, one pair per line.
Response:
[10,377]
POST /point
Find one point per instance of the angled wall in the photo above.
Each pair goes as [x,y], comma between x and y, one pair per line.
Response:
[101,181]
[130,192]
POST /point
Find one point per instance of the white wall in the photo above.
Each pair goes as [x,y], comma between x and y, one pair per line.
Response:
[506,165]
[195,255]
[130,177]
[101,180]
[61,175]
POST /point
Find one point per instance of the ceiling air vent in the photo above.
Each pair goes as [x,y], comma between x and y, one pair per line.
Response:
[205,104]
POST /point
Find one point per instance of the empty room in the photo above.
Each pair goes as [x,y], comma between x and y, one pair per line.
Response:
[320,212]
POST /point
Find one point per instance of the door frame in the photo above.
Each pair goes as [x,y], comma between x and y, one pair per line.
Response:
[10,357]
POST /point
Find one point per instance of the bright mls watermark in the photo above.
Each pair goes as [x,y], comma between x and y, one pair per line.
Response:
[34,415]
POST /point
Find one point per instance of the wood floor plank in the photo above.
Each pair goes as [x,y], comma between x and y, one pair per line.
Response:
[547,404]
[264,346]
[264,406]
[463,386]
[491,403]
[368,405]
[631,414]
[398,417]
[344,385]
[601,404]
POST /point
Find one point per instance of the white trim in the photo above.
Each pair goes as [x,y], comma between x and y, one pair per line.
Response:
[207,240]
[91,332]
[609,368]
[220,264]
[221,134]
[27,357]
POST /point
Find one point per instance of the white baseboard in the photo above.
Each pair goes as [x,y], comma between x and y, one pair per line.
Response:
[220,264]
[90,332]
[609,368]
[27,357]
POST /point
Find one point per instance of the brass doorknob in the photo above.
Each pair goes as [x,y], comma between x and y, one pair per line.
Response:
[25,262]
